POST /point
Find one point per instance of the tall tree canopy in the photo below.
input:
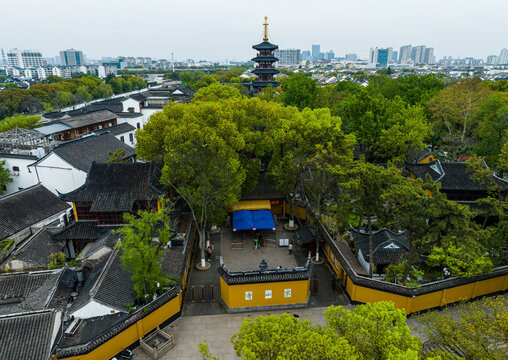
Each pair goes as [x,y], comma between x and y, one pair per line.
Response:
[142,247]
[299,90]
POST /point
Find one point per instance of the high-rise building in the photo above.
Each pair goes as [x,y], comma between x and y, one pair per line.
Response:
[71,57]
[491,59]
[405,53]
[25,58]
[395,56]
[380,57]
[351,57]
[306,56]
[502,59]
[288,57]
[316,51]
[330,55]
[373,56]
[417,54]
[428,56]
[384,57]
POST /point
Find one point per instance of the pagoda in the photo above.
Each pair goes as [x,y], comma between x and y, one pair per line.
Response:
[264,69]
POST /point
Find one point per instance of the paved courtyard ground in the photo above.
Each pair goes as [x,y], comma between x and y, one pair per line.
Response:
[209,322]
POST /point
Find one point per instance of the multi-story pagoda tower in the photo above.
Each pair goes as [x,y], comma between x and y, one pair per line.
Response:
[264,68]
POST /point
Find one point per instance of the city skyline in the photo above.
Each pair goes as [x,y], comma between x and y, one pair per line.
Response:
[221,30]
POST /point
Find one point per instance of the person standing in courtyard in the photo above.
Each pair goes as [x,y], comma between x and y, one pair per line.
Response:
[261,240]
[290,248]
[256,243]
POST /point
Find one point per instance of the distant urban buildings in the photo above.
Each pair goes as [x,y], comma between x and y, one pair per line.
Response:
[71,57]
[405,54]
[316,52]
[351,57]
[25,58]
[503,57]
[288,57]
[380,57]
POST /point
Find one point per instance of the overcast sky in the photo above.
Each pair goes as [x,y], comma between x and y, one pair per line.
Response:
[226,29]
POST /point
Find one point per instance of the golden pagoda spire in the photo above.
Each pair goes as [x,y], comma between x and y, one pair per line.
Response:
[265,38]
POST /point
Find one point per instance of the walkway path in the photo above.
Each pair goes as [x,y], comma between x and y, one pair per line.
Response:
[217,330]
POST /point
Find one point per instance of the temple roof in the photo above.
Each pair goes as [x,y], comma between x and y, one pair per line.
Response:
[265,45]
[28,335]
[115,187]
[388,246]
[265,58]
[452,176]
[27,207]
[265,71]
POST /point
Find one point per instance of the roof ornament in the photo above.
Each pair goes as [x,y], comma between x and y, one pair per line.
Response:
[265,38]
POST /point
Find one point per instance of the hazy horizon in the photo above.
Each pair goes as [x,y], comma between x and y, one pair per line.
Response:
[226,29]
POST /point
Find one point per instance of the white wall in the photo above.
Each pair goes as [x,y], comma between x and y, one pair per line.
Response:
[22,179]
[92,309]
[56,174]
[130,103]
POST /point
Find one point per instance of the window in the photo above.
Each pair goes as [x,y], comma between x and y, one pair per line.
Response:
[83,212]
[131,137]
[122,138]
[15,168]
[138,125]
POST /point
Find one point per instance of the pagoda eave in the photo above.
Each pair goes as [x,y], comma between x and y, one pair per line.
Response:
[265,58]
[265,71]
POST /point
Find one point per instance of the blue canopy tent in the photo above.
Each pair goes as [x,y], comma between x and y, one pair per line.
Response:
[253,220]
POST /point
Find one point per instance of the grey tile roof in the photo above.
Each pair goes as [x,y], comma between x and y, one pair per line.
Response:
[89,118]
[80,230]
[117,129]
[18,156]
[361,280]
[27,291]
[80,153]
[27,207]
[114,287]
[453,176]
[272,275]
[38,249]
[388,246]
[27,336]
[115,187]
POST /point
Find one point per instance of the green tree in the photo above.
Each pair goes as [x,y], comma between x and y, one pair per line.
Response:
[142,248]
[452,110]
[300,91]
[201,160]
[284,337]
[406,133]
[117,156]
[5,176]
[472,330]
[21,121]
[377,331]
[216,92]
[116,84]
[367,184]
[437,227]
[502,161]
[307,141]
[492,129]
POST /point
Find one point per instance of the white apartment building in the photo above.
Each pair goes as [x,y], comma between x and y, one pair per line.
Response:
[25,58]
[288,57]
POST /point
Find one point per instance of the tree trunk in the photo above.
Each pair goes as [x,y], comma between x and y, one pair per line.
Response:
[408,265]
[202,243]
[358,234]
[371,256]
